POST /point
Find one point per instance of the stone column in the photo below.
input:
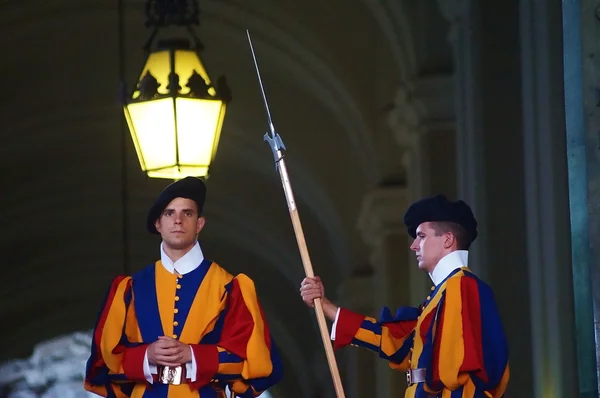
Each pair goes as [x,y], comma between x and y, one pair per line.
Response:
[581,27]
[547,200]
[487,44]
[382,227]
[465,35]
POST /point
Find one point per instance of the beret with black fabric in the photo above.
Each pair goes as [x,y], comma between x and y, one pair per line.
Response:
[190,188]
[440,208]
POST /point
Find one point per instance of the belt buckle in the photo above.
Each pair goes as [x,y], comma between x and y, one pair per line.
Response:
[170,375]
[408,377]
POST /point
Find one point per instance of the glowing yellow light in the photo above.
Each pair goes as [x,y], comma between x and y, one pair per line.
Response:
[175,130]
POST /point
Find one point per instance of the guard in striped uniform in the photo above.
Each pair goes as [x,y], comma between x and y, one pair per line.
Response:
[453,344]
[183,326]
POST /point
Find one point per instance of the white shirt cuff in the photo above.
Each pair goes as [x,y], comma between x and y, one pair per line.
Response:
[149,370]
[191,368]
[333,328]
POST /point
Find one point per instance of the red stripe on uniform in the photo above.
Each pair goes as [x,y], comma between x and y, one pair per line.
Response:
[471,318]
[347,325]
[102,319]
[239,324]
[133,363]
[207,364]
[437,342]
[400,329]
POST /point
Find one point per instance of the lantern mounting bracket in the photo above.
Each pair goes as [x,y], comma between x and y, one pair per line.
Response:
[162,13]
[165,13]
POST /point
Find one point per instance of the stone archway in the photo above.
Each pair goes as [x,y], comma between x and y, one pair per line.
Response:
[329,88]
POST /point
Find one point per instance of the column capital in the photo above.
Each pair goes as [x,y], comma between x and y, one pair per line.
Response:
[424,106]
[421,106]
[382,212]
[404,116]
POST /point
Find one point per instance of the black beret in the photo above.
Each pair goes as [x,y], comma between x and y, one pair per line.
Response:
[439,208]
[190,188]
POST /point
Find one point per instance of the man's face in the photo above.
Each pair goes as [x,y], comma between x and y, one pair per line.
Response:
[428,247]
[179,224]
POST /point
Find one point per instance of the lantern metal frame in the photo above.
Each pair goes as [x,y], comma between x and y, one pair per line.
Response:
[161,14]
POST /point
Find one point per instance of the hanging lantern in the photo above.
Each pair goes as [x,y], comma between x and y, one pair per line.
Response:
[175,114]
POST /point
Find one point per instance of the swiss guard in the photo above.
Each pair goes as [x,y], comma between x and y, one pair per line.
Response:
[183,326]
[453,344]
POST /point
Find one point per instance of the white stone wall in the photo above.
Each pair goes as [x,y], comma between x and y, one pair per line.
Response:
[55,370]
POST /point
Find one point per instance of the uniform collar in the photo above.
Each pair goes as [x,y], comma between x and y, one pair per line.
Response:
[448,263]
[189,262]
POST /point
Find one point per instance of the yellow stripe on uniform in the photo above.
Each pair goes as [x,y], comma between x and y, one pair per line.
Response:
[368,336]
[503,382]
[452,343]
[390,344]
[113,328]
[208,304]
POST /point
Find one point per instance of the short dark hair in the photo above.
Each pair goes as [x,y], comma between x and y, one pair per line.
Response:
[463,240]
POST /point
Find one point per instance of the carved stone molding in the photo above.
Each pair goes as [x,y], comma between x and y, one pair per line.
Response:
[404,117]
[455,12]
[382,212]
[396,27]
[424,105]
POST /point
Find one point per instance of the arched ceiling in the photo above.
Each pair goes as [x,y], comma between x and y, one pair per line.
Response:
[329,69]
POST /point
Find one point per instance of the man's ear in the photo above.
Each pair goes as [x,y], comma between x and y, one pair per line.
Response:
[200,224]
[450,239]
[157,224]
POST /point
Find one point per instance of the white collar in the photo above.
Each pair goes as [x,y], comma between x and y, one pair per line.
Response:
[448,263]
[189,262]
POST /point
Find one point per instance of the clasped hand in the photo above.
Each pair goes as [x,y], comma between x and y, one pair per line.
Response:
[167,351]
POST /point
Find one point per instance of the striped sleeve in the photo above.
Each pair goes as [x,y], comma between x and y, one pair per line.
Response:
[245,356]
[114,363]
[390,337]
[471,351]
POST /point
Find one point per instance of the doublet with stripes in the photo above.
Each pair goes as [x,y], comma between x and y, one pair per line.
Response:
[216,314]
[455,334]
